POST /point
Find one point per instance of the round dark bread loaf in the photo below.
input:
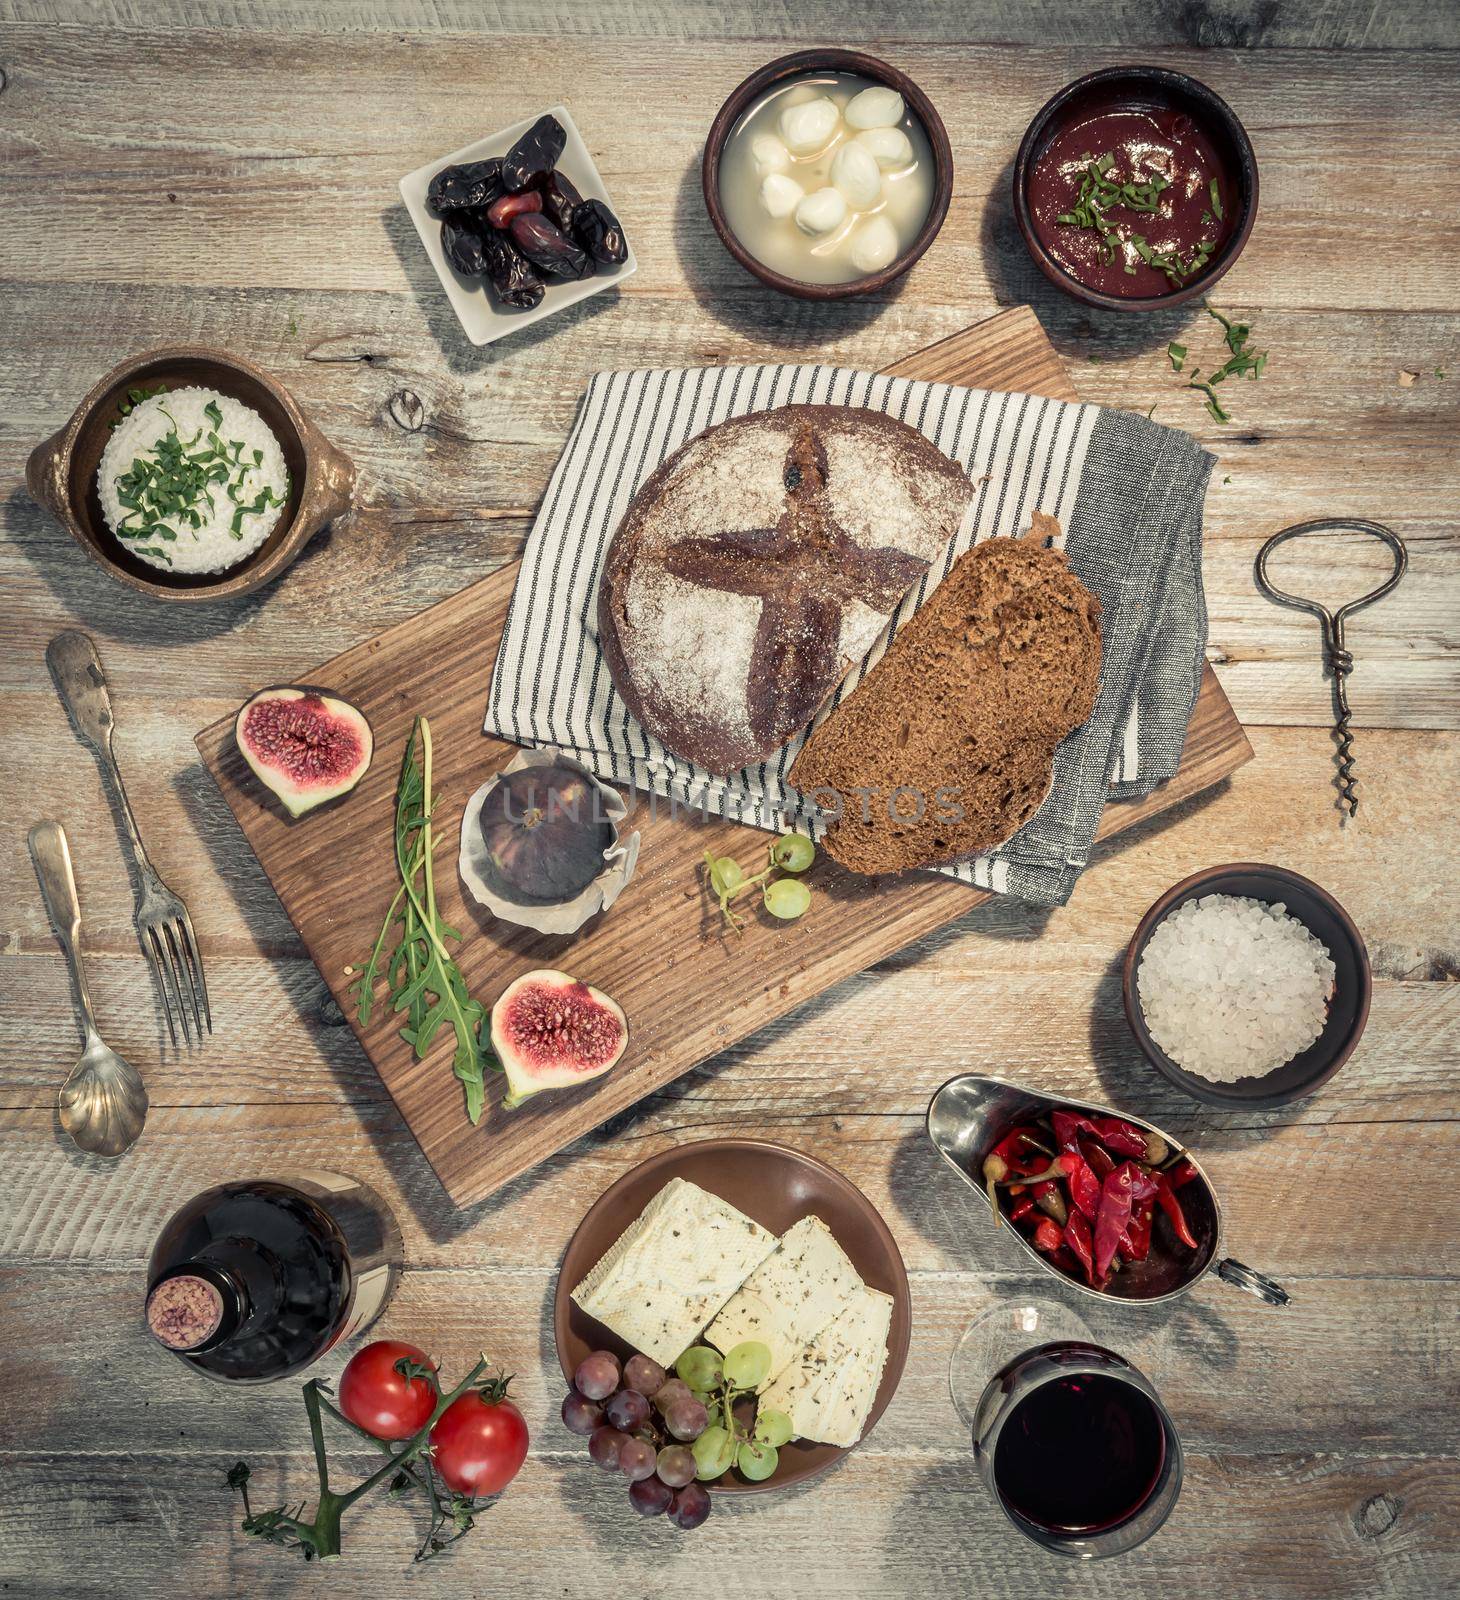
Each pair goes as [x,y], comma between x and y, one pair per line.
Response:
[758,563]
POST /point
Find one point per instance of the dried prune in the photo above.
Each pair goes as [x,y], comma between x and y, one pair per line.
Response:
[462,245]
[534,155]
[600,233]
[470,186]
[549,248]
[511,275]
[502,211]
[559,201]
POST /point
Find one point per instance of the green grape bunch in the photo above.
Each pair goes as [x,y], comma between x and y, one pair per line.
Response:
[785,897]
[718,1383]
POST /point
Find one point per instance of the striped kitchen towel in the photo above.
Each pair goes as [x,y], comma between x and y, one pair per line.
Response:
[1127,491]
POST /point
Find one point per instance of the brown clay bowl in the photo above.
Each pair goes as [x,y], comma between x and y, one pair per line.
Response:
[776,1187]
[793,66]
[61,473]
[1348,1010]
[1131,88]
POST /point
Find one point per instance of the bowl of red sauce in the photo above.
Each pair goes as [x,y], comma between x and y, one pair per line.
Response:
[1135,188]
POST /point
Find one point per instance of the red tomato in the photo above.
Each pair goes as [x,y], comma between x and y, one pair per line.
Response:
[374,1396]
[480,1442]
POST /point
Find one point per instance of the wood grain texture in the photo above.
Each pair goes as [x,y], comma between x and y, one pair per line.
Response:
[660,950]
[224,171]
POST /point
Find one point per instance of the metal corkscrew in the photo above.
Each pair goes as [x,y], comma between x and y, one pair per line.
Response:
[1337,660]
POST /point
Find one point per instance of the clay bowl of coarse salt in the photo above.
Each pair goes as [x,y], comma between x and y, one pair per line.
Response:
[1247,986]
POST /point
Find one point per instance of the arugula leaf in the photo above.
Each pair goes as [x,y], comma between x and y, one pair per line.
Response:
[424,982]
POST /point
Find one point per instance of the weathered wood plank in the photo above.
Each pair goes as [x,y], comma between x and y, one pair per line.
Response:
[1224,24]
[78,1319]
[288,201]
[1286,1210]
[1296,1525]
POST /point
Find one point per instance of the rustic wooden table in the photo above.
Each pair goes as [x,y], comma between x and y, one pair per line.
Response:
[226,174]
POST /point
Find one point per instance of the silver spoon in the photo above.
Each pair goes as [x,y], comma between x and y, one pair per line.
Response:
[103,1104]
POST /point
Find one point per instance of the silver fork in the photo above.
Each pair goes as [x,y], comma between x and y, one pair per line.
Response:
[163,924]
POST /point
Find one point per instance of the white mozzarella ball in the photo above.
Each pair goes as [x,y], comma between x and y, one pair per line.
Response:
[808,127]
[780,195]
[822,211]
[874,245]
[890,147]
[875,108]
[769,155]
[854,171]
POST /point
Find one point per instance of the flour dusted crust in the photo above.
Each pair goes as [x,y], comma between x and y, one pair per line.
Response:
[759,563]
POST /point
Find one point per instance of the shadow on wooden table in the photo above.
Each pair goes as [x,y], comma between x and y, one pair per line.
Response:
[1070,323]
[459,353]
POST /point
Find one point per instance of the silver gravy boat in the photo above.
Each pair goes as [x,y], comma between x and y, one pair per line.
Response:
[970,1114]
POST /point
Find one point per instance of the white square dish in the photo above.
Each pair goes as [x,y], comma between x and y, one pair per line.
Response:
[481,318]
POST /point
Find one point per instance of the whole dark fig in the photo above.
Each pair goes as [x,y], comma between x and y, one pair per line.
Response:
[545,834]
[473,185]
[600,233]
[534,155]
[549,249]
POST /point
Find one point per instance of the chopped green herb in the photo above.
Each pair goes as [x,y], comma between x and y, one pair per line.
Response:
[1177,353]
[1227,479]
[1152,411]
[1439,372]
[1216,194]
[213,414]
[1213,404]
[293,327]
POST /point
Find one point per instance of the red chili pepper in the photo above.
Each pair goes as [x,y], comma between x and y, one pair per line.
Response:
[1084,1185]
[1022,1150]
[1125,1187]
[1120,1136]
[1172,1207]
[1182,1173]
[1047,1235]
[1021,1208]
[1077,1236]
[1135,1242]
[1050,1199]
[1102,1163]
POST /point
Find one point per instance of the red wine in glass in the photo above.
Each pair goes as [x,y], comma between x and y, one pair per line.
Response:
[1077,1449]
[1080,1454]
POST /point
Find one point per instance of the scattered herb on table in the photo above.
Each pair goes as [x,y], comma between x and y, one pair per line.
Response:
[1242,361]
[411,1466]
[424,980]
[784,897]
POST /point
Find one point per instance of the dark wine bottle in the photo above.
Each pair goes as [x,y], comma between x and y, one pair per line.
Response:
[252,1281]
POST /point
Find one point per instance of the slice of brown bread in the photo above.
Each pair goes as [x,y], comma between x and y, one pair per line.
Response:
[947,746]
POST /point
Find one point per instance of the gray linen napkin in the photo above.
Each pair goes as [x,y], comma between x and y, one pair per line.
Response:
[1127,491]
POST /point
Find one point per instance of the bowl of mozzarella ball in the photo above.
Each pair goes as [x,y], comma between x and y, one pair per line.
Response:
[1247,986]
[827,174]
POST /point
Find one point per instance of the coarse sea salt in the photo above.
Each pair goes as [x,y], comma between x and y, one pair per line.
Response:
[1232,987]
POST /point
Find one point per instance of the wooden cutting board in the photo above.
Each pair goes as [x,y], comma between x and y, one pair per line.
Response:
[688,988]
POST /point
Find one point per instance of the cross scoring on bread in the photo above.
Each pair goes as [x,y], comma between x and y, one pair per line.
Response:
[805,570]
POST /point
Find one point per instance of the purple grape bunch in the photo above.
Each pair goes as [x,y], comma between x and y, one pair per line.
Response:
[641,1423]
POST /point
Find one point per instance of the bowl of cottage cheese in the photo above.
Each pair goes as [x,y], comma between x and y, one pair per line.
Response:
[192,475]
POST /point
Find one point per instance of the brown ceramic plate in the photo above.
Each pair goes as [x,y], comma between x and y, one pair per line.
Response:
[776,1187]
[61,473]
[1348,1010]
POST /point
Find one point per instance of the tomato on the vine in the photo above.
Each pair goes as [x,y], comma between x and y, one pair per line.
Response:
[480,1441]
[380,1397]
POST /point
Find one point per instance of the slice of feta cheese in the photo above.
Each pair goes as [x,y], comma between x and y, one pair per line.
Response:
[672,1269]
[829,1388]
[791,1295]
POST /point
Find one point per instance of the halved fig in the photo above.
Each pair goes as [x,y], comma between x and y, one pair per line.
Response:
[551,1031]
[305,745]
